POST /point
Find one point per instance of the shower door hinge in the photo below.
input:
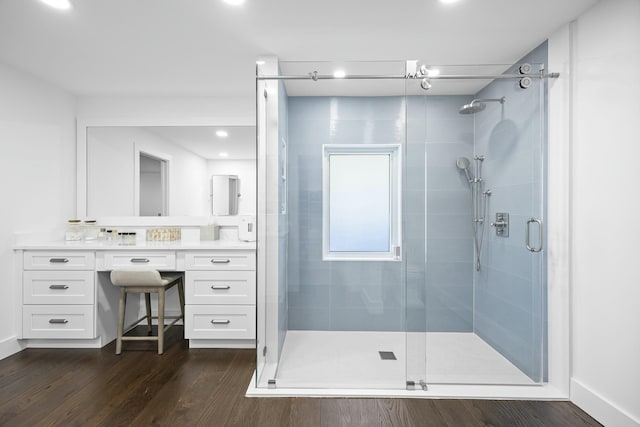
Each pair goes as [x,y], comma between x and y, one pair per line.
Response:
[265,93]
[412,385]
[397,251]
[271,384]
[264,351]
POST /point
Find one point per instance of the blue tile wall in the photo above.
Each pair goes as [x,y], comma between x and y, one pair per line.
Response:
[370,295]
[337,295]
[510,290]
[449,248]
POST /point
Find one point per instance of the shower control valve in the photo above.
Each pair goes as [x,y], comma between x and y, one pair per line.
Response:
[501,224]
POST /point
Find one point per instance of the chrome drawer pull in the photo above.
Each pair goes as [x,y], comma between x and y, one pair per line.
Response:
[220,261]
[140,260]
[221,322]
[58,287]
[216,287]
[58,321]
[58,260]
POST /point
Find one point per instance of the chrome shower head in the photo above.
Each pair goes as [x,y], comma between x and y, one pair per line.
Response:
[463,164]
[478,105]
[473,107]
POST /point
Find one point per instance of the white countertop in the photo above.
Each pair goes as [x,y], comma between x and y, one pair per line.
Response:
[62,245]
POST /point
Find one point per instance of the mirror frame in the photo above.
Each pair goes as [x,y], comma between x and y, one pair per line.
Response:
[82,127]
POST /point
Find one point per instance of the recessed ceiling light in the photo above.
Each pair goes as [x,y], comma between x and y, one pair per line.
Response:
[222,133]
[58,4]
[339,74]
[234,2]
[223,154]
[449,1]
[260,62]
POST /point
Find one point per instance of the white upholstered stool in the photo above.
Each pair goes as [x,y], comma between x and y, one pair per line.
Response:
[147,282]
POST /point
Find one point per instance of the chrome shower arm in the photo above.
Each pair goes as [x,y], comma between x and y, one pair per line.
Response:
[500,100]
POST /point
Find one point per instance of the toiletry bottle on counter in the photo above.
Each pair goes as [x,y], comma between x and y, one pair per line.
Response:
[73,231]
[90,229]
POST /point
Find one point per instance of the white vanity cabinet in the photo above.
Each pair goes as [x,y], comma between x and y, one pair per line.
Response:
[220,298]
[67,299]
[58,295]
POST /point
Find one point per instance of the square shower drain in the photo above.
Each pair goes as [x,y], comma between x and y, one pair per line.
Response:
[387,355]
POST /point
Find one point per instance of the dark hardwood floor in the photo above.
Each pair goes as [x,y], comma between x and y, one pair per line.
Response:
[78,387]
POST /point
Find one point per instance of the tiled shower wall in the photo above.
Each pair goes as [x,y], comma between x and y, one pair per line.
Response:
[337,295]
[449,260]
[345,295]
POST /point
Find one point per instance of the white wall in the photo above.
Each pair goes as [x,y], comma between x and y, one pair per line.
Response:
[37,172]
[246,172]
[604,47]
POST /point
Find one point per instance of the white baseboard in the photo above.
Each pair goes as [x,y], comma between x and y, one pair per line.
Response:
[10,346]
[64,343]
[599,407]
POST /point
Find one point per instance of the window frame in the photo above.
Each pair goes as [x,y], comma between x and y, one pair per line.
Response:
[395,199]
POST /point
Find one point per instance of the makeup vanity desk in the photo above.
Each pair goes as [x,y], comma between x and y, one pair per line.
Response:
[67,298]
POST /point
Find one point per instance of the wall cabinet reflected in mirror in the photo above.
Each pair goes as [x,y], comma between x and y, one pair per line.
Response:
[169,170]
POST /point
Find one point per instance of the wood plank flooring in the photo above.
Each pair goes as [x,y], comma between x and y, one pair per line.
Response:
[205,387]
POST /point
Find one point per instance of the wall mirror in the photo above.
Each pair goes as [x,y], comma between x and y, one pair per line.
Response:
[151,171]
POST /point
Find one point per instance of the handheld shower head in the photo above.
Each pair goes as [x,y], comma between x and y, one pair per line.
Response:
[463,164]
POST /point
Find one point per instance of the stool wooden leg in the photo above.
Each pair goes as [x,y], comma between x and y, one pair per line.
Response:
[121,311]
[160,321]
[147,301]
[181,295]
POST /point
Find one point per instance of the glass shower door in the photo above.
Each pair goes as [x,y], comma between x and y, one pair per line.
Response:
[474,245]
[510,287]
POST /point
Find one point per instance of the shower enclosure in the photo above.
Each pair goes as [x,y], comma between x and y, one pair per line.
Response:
[400,225]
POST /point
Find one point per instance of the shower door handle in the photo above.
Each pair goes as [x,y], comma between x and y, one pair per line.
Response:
[528,235]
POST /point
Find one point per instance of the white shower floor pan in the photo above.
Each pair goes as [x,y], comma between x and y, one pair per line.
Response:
[331,363]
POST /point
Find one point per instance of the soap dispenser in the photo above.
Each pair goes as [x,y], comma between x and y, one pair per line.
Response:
[247,229]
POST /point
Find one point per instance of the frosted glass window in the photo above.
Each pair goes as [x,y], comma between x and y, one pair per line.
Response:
[359,203]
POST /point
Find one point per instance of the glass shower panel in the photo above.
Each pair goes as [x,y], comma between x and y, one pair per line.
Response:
[271,245]
[414,222]
[342,319]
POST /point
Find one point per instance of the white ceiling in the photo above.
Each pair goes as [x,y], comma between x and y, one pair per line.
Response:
[203,141]
[207,47]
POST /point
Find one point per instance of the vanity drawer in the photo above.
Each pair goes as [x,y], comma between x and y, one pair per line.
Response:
[58,287]
[220,287]
[220,322]
[56,321]
[35,260]
[156,260]
[236,260]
